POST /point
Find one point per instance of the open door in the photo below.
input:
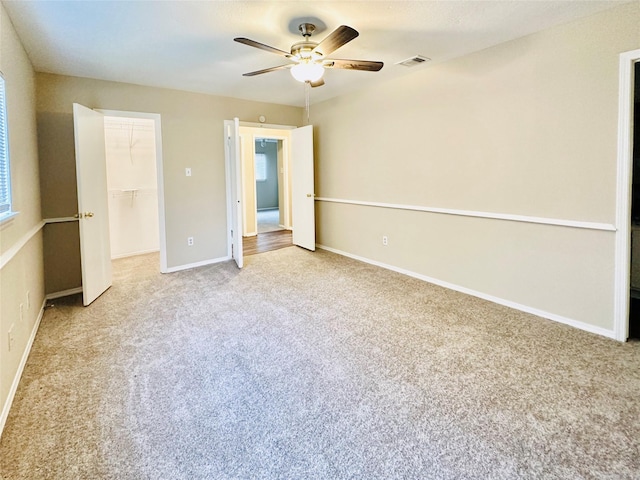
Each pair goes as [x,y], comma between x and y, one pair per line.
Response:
[302,188]
[234,184]
[93,210]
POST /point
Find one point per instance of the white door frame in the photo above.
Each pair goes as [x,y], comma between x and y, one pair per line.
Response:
[623,190]
[235,202]
[286,145]
[159,174]
[243,173]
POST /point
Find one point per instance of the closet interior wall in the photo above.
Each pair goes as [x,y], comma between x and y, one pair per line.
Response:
[132,186]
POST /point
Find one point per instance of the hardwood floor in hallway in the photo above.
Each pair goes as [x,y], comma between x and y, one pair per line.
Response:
[265,242]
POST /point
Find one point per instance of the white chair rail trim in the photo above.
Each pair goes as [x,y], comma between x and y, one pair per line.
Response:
[7,256]
[471,213]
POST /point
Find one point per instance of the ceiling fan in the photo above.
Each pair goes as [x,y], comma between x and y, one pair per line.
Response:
[311,58]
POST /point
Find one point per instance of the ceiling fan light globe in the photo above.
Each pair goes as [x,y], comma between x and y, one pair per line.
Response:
[307,72]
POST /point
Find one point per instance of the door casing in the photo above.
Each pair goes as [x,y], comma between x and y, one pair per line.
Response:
[248,137]
[623,190]
[159,174]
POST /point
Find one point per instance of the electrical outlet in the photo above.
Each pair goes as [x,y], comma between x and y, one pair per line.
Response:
[385,240]
[21,312]
[190,241]
[11,339]
[187,172]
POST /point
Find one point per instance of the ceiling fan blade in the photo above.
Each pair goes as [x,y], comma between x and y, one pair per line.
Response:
[318,83]
[262,46]
[267,70]
[340,36]
[364,65]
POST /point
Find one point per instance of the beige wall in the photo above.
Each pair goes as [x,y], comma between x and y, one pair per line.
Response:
[192,136]
[23,271]
[528,127]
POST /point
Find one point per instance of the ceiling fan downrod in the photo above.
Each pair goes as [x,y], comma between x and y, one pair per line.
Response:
[306,29]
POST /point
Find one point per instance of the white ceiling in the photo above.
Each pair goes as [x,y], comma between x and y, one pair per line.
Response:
[189,45]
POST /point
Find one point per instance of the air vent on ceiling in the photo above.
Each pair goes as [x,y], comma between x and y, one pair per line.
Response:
[415,60]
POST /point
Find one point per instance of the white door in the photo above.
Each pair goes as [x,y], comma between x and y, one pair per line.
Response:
[234,184]
[302,188]
[93,210]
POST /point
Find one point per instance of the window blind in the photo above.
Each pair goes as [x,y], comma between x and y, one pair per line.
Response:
[5,176]
[261,167]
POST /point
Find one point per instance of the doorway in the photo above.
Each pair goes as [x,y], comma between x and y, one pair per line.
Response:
[266,188]
[132,186]
[634,301]
[133,148]
[269,188]
[626,313]
[265,169]
[297,184]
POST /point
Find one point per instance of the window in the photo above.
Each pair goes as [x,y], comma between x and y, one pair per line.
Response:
[5,175]
[261,167]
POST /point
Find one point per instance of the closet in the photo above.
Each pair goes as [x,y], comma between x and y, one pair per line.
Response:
[132,185]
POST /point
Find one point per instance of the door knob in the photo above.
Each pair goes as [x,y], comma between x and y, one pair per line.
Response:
[88,214]
[311,195]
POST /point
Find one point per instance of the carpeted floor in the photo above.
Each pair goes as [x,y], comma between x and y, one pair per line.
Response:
[314,366]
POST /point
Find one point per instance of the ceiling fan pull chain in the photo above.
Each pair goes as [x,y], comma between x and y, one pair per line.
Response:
[307,89]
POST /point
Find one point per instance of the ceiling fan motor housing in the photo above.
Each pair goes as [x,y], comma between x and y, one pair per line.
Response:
[303,50]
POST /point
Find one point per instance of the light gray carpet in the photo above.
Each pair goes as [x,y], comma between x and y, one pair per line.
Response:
[269,221]
[313,366]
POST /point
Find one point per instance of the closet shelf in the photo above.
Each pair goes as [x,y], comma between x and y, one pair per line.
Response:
[132,192]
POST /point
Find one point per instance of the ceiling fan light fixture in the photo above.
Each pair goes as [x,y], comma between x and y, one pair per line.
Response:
[307,72]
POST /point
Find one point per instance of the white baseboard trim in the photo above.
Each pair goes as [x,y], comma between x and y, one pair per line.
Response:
[197,264]
[500,301]
[23,361]
[63,293]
